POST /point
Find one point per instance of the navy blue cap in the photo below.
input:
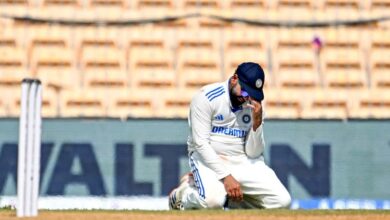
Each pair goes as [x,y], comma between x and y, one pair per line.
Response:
[251,79]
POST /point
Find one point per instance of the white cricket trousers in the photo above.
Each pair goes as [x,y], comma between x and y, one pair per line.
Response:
[260,185]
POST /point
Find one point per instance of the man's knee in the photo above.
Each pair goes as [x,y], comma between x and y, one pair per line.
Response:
[284,200]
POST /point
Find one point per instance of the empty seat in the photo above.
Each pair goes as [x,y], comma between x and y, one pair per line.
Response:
[380,78]
[326,104]
[342,8]
[247,6]
[294,51]
[282,104]
[52,57]
[345,78]
[90,41]
[196,41]
[140,41]
[380,67]
[12,77]
[10,95]
[211,24]
[199,68]
[102,57]
[133,103]
[97,37]
[380,50]
[244,46]
[374,103]
[379,7]
[152,67]
[172,24]
[12,57]
[296,7]
[198,58]
[61,3]
[45,39]
[82,103]
[342,59]
[380,39]
[341,52]
[157,7]
[108,3]
[295,59]
[49,105]
[233,58]
[154,3]
[175,103]
[7,41]
[201,5]
[334,38]
[342,4]
[298,39]
[203,45]
[244,39]
[59,78]
[109,78]
[298,78]
[13,5]
[10,89]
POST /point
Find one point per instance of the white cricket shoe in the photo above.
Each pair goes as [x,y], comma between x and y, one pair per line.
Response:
[176,194]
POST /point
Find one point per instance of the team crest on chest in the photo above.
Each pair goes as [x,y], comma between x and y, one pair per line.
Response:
[246,118]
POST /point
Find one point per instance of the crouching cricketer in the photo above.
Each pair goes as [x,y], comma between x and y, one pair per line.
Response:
[225,147]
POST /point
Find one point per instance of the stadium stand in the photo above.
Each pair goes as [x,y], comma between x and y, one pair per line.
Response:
[104,79]
[196,69]
[379,7]
[175,103]
[13,57]
[379,61]
[283,103]
[371,103]
[152,68]
[138,103]
[242,46]
[326,103]
[83,103]
[10,89]
[80,65]
[296,6]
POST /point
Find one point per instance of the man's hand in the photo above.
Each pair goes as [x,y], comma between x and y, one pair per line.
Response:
[233,188]
[257,112]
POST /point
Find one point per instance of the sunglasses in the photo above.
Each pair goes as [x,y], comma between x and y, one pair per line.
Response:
[244,93]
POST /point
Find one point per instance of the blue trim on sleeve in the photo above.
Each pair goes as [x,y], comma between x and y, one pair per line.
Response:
[215,93]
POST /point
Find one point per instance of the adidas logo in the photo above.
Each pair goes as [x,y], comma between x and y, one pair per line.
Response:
[219,117]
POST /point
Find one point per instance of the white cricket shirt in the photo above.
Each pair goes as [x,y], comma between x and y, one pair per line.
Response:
[216,128]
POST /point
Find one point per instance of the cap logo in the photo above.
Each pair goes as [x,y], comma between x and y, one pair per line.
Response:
[259,83]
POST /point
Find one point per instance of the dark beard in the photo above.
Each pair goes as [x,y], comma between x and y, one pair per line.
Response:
[235,100]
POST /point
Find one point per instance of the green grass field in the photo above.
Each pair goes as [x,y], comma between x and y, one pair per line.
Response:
[204,214]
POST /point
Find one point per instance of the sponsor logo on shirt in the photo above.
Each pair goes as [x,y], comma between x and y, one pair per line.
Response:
[229,131]
[219,117]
